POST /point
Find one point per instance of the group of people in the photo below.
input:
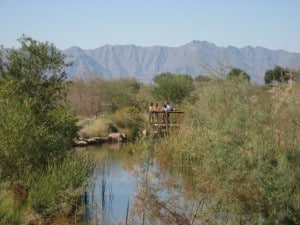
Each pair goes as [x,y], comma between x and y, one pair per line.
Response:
[153,108]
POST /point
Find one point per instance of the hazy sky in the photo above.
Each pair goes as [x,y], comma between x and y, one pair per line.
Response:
[274,24]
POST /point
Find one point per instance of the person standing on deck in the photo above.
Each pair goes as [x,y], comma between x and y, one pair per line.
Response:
[168,106]
[151,109]
[155,114]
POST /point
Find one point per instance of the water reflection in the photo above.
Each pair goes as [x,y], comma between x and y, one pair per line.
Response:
[126,192]
[112,187]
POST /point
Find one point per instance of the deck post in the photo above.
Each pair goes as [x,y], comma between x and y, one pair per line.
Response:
[166,119]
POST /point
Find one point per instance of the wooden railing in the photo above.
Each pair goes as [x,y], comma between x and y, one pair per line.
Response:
[170,118]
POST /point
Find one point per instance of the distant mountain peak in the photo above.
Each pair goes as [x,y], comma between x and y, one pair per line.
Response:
[72,48]
[115,61]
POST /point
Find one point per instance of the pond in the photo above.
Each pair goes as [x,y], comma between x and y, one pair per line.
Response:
[112,187]
[129,191]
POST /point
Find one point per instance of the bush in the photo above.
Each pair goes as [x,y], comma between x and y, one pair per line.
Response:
[29,143]
[241,145]
[236,73]
[96,128]
[35,126]
[130,119]
[172,87]
[36,133]
[60,185]
[278,74]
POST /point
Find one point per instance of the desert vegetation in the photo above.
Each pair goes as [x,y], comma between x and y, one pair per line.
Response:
[237,150]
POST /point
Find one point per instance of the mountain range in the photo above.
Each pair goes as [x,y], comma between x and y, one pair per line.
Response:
[194,58]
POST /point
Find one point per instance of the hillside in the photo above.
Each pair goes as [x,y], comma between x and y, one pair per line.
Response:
[145,62]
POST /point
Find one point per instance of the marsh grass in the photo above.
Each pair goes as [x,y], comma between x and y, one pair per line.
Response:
[52,194]
[240,144]
[127,120]
[100,127]
[8,213]
[57,189]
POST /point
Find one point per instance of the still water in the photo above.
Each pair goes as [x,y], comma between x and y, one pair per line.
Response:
[114,193]
[112,187]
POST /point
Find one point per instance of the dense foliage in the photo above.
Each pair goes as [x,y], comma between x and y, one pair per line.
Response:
[130,120]
[241,146]
[236,73]
[39,173]
[172,87]
[202,78]
[35,127]
[278,74]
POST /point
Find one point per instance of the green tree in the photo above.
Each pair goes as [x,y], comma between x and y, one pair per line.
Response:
[174,87]
[35,126]
[121,93]
[202,78]
[236,73]
[278,74]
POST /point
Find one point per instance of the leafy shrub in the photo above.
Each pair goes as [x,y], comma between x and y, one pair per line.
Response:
[35,126]
[172,87]
[236,73]
[28,142]
[129,118]
[278,74]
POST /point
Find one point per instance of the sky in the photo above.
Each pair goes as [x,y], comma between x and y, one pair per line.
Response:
[89,24]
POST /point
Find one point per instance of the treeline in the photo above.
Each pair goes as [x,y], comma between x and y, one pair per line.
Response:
[110,102]
[96,96]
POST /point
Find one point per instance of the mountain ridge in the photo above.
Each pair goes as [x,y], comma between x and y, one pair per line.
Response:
[143,63]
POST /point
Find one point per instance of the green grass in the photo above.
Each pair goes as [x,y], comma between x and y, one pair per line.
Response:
[8,213]
[54,191]
[60,185]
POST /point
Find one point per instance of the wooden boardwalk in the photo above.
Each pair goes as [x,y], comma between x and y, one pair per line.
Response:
[166,119]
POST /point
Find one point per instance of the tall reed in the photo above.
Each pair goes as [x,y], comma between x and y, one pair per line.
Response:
[59,185]
[55,191]
[241,144]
